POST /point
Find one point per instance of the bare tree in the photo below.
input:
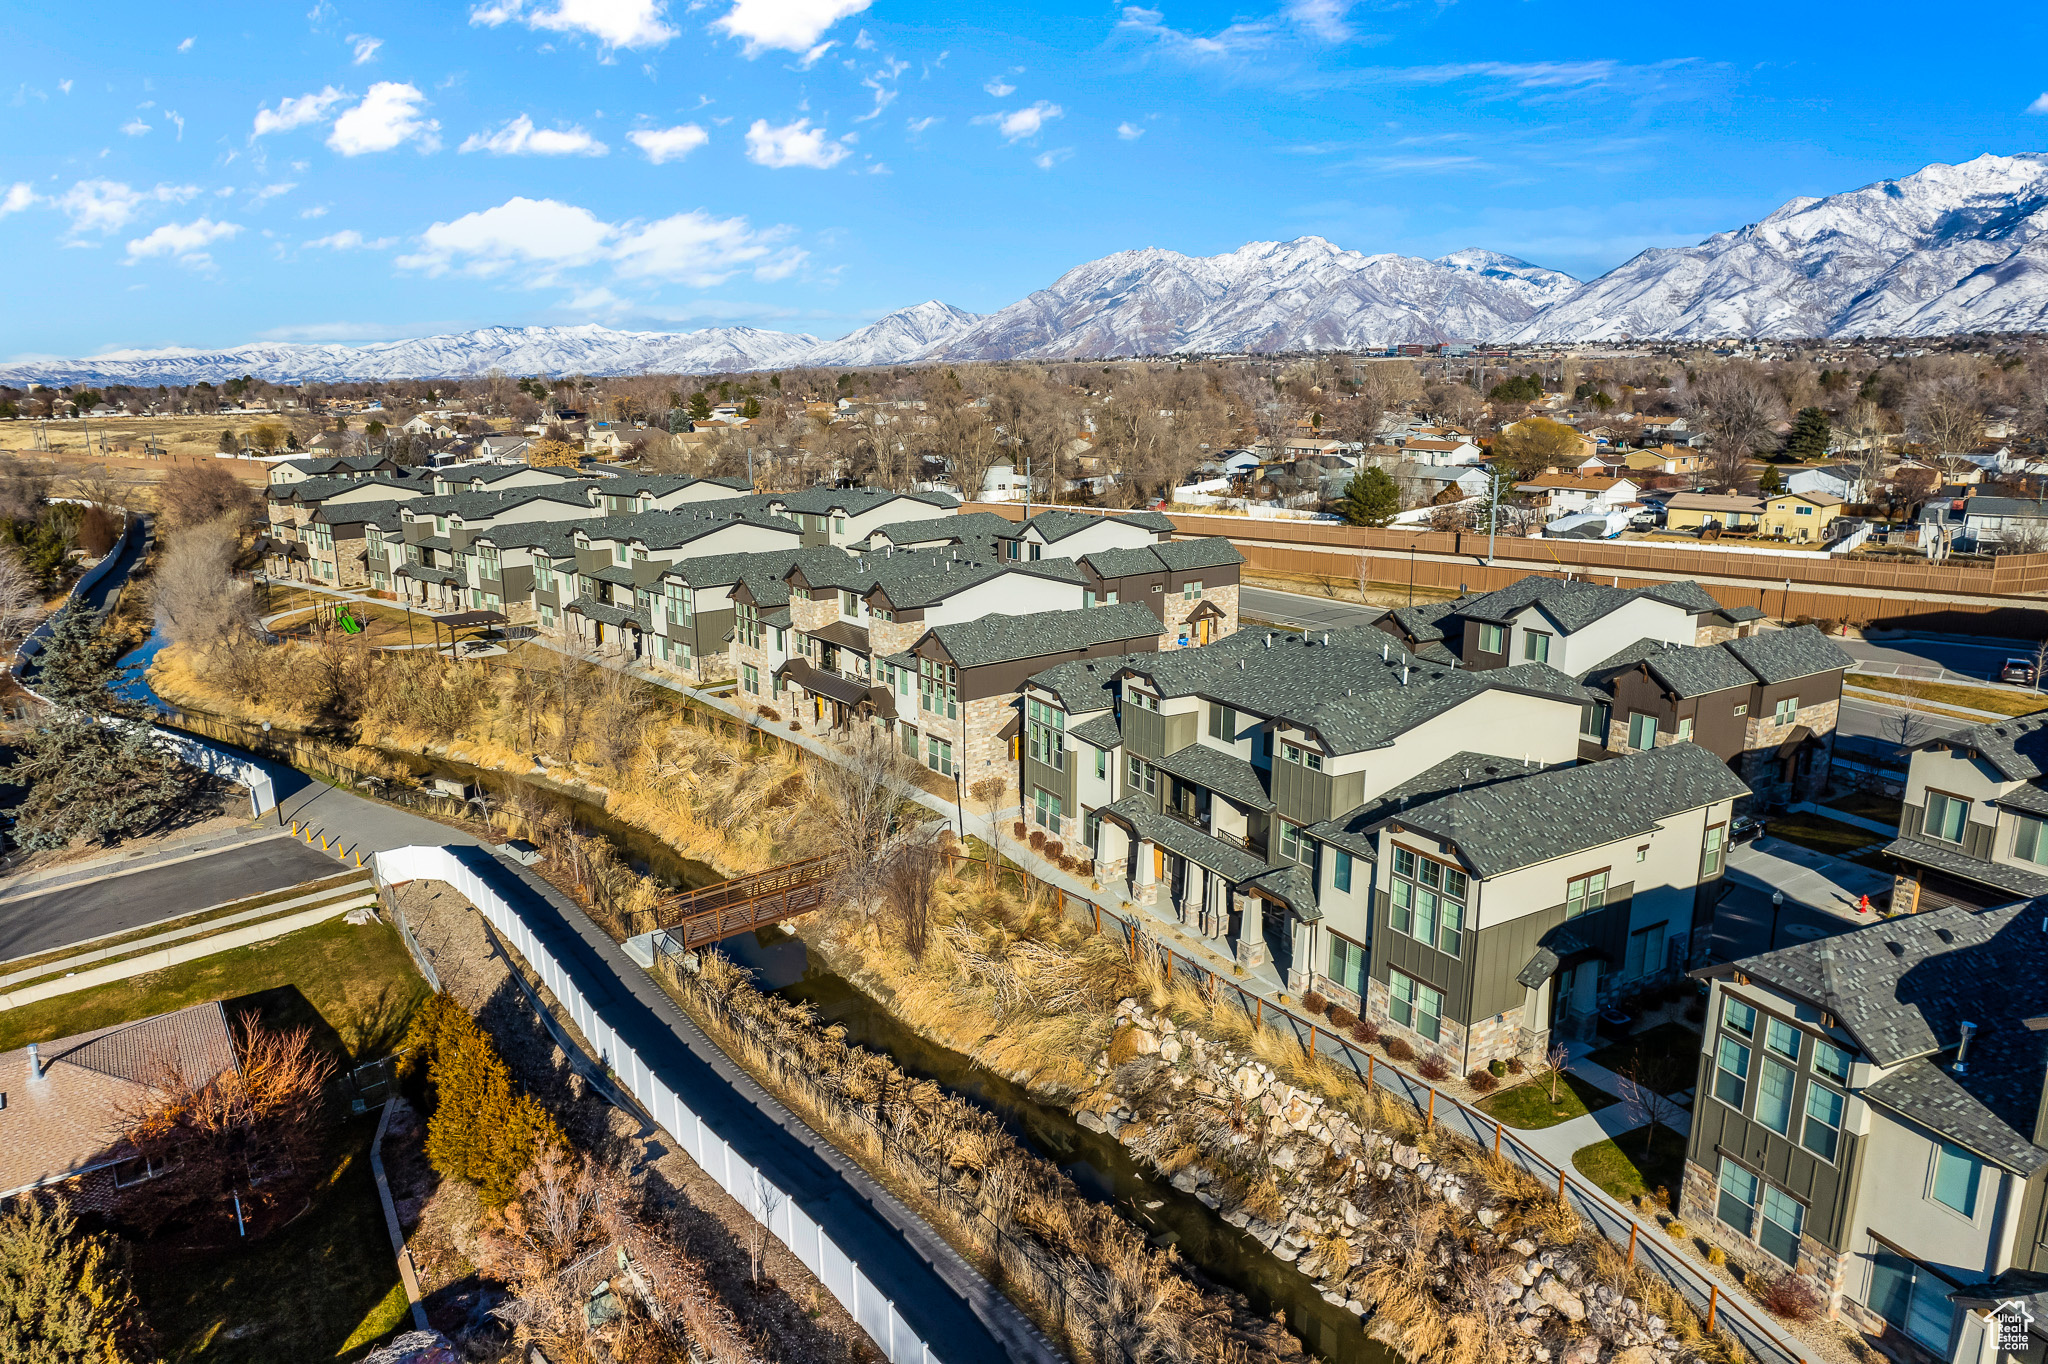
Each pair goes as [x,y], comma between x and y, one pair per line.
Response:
[1946,413]
[911,883]
[771,1200]
[18,595]
[1647,1079]
[195,494]
[861,795]
[199,603]
[1739,406]
[1551,1067]
[989,791]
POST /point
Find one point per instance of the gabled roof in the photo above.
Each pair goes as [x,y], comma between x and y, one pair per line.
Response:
[1084,684]
[2017,748]
[961,526]
[1355,830]
[1783,655]
[1683,670]
[1005,639]
[1224,773]
[1566,810]
[1575,603]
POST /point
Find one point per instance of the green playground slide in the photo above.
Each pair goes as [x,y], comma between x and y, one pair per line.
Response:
[348,623]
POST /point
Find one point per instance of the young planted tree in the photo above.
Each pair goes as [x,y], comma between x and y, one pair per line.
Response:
[1647,1079]
[481,1131]
[65,1297]
[1370,498]
[911,883]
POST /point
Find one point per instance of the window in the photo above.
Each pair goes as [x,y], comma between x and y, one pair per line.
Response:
[1645,952]
[1785,710]
[909,743]
[1490,640]
[1946,816]
[1823,1130]
[1584,893]
[622,554]
[1415,1005]
[1831,1061]
[1142,700]
[839,525]
[2027,843]
[938,688]
[1731,1072]
[1143,776]
[1301,757]
[1911,1298]
[750,678]
[849,605]
[1536,647]
[138,1170]
[1101,763]
[1737,1016]
[1593,721]
[1774,1097]
[1340,869]
[1956,1175]
[1296,846]
[1711,853]
[1428,901]
[1222,723]
[938,756]
[1191,591]
[1782,1038]
[1045,809]
[1091,830]
[1045,733]
[543,575]
[1737,1203]
[1741,708]
[1684,730]
[746,619]
[1347,964]
[547,616]
[1642,730]
[680,608]
[1779,1232]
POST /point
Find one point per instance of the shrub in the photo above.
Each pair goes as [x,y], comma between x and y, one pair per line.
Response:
[1793,1297]
[1497,1067]
[1366,1031]
[1037,840]
[1716,1255]
[1515,1066]
[1435,1066]
[770,713]
[1677,1231]
[1314,1002]
[1341,1017]
[1396,1049]
[1482,1081]
[1056,850]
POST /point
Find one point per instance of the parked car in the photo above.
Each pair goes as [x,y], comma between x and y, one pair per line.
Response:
[1745,828]
[2019,671]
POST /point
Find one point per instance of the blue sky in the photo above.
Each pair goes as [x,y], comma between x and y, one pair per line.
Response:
[212,175]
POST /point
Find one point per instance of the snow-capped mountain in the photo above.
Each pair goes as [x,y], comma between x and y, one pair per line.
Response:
[1305,294]
[1533,283]
[904,335]
[1946,249]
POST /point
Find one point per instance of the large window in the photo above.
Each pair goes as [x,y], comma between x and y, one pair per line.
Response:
[1415,1005]
[1340,870]
[1642,730]
[1491,639]
[1645,952]
[1736,1205]
[1594,719]
[1045,734]
[1347,964]
[1823,1131]
[1141,776]
[1946,816]
[1536,647]
[1582,893]
[677,597]
[750,678]
[938,756]
[1784,711]
[938,688]
[1143,700]
[1191,590]
[1774,1097]
[1831,1061]
[1045,809]
[543,574]
[1731,1072]
[1427,901]
[1956,1176]
[1713,850]
[1911,1298]
[1296,846]
[746,620]
[1783,1219]
[1782,1038]
[1222,723]
[2027,843]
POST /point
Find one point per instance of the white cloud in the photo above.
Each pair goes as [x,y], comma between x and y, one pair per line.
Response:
[614,23]
[1234,41]
[1047,160]
[1322,18]
[316,211]
[269,192]
[174,117]
[918,125]
[185,241]
[186,46]
[108,205]
[364,46]
[1018,124]
[795,144]
[348,239]
[1522,75]
[1129,132]
[18,197]
[784,25]
[388,117]
[297,112]
[542,238]
[135,127]
[662,145]
[2039,106]
[64,87]
[521,138]
[1000,87]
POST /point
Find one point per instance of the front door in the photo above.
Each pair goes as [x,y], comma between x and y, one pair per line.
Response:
[1279,932]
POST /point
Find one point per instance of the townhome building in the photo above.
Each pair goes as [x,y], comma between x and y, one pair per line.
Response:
[1225,783]
[1973,828]
[301,543]
[449,560]
[844,517]
[1570,624]
[627,493]
[1871,1114]
[939,532]
[333,466]
[1764,703]
[1071,534]
[1509,906]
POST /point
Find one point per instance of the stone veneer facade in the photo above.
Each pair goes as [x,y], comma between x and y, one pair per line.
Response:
[1177,610]
[1698,1209]
[1760,743]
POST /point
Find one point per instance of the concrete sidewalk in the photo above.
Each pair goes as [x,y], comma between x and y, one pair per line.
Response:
[1810,878]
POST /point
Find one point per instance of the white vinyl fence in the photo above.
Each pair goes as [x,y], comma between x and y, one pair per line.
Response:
[833,1265]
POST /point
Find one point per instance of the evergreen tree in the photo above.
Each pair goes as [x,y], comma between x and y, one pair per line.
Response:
[77,662]
[700,406]
[64,1296]
[1370,498]
[1810,433]
[481,1131]
[1772,483]
[90,779]
[751,408]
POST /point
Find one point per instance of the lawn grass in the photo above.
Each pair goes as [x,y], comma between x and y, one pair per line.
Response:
[1620,1167]
[354,985]
[1673,1045]
[1820,833]
[1528,1104]
[1954,694]
[323,1287]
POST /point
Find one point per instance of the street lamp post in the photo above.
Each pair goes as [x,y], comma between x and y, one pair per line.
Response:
[1777,904]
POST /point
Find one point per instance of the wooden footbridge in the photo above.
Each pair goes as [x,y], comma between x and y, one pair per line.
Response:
[701,917]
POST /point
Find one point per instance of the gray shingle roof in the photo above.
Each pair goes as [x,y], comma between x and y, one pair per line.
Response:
[1103,731]
[1233,863]
[1224,773]
[854,501]
[1684,670]
[1431,621]
[1182,556]
[1783,655]
[2018,748]
[1124,563]
[2016,881]
[2006,506]
[1146,520]
[1004,639]
[1575,603]
[1294,889]
[1565,810]
[1084,684]
[1055,525]
[963,525]
[1903,986]
[1355,829]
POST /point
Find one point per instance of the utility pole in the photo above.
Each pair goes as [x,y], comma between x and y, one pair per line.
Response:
[1027,487]
[1492,515]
